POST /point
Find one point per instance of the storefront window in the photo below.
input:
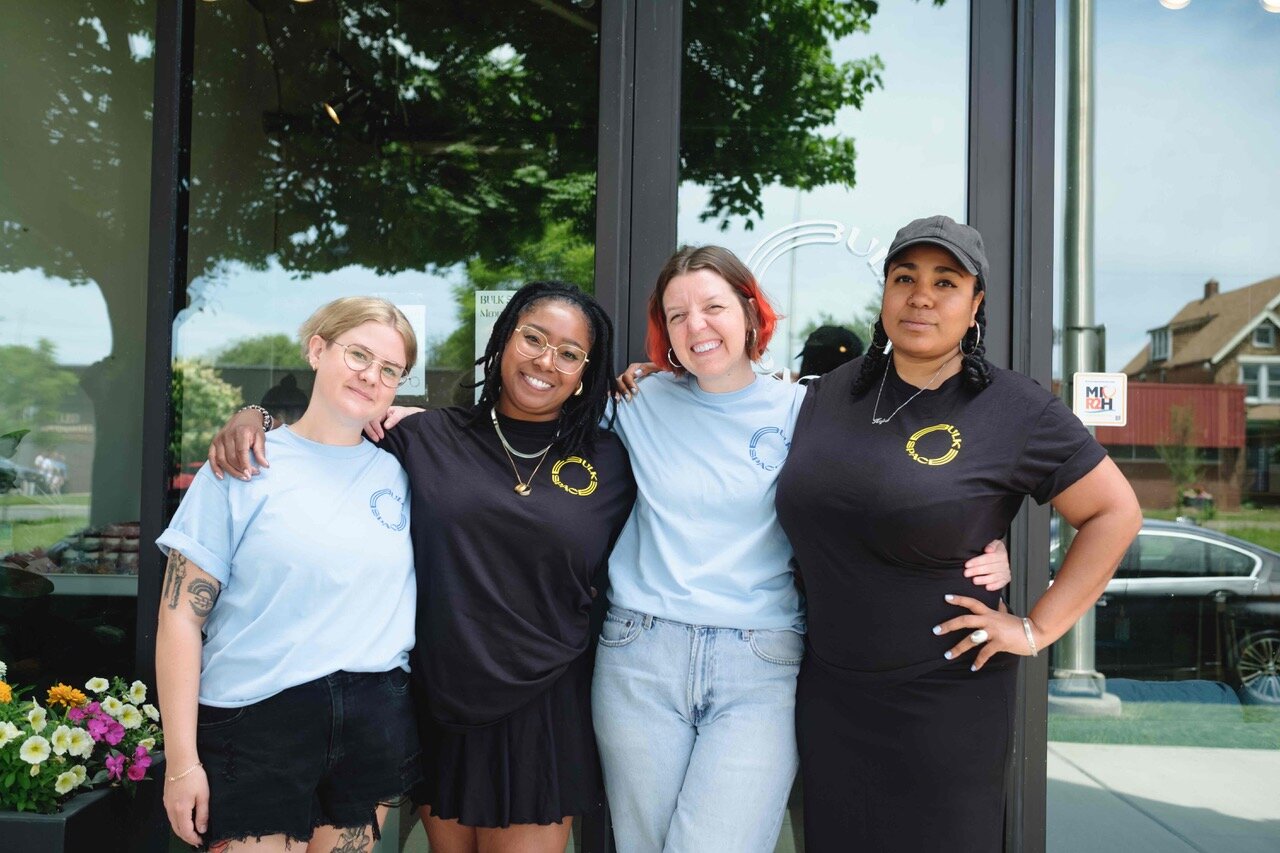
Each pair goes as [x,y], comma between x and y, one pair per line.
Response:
[809,134]
[808,138]
[1169,745]
[74,195]
[424,152]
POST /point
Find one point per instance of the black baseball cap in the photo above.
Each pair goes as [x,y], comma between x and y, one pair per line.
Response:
[960,240]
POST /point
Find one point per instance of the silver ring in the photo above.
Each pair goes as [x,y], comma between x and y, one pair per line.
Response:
[979,637]
[639,371]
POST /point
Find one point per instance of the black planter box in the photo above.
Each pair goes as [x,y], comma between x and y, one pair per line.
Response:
[92,821]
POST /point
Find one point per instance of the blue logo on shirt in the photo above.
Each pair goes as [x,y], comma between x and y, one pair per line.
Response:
[769,447]
[385,504]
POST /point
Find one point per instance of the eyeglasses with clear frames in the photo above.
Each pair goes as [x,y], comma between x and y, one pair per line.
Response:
[358,359]
[533,343]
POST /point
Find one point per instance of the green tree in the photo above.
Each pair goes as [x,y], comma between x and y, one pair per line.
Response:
[1180,455]
[202,403]
[33,388]
[278,350]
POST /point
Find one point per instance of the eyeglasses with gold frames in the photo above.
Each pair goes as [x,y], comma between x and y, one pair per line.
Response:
[568,359]
[358,359]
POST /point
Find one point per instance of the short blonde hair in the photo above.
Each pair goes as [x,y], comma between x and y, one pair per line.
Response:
[344,314]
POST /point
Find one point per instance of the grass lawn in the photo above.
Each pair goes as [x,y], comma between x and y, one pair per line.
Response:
[41,534]
[81,499]
[1175,724]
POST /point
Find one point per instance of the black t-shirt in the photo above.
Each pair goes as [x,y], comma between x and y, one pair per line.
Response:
[504,581]
[883,517]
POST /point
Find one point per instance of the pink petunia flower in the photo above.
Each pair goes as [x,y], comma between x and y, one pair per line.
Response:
[137,772]
[97,727]
[115,765]
[115,733]
[75,714]
[93,708]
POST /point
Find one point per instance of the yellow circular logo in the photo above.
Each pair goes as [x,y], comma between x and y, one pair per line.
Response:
[586,466]
[952,451]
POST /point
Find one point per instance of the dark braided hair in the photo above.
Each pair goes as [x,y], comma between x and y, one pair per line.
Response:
[581,415]
[973,349]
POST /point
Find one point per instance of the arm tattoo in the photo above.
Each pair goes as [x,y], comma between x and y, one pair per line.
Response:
[353,841]
[203,596]
[174,572]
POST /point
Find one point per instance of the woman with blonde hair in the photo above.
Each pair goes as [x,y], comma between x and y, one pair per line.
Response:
[287,612]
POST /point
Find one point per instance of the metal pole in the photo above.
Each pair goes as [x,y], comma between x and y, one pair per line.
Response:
[1074,663]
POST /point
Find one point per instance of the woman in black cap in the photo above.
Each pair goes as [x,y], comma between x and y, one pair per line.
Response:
[906,694]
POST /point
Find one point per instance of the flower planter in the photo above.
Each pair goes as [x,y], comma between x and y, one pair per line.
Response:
[92,821]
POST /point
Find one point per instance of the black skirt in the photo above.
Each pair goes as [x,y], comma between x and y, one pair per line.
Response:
[904,767]
[537,766]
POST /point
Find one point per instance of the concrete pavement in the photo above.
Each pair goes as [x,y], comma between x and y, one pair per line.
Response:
[1162,799]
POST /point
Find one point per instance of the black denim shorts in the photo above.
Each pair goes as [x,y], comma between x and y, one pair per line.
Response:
[327,752]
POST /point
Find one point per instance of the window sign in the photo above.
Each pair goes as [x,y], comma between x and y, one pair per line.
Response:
[489,304]
[1100,399]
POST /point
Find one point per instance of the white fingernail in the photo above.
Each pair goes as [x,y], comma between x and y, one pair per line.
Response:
[947,655]
[948,597]
[973,668]
[937,629]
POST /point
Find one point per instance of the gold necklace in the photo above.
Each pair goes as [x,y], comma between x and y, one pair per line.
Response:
[875,410]
[522,487]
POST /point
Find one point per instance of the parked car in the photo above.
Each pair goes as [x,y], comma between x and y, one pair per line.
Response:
[1189,602]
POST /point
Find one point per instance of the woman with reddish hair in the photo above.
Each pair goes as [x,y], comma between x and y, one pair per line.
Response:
[693,698]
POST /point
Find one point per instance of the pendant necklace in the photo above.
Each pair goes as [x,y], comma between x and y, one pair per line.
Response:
[522,487]
[876,408]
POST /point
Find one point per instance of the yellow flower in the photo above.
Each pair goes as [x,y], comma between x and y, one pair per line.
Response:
[6,693]
[65,694]
[97,684]
[80,774]
[137,693]
[65,782]
[130,717]
[34,750]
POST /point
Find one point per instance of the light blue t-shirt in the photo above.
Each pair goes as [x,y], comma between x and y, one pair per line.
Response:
[315,564]
[703,544]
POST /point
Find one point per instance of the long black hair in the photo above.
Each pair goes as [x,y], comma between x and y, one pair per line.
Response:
[973,349]
[581,414]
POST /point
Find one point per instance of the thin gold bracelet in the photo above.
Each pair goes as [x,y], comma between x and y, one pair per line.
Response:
[185,773]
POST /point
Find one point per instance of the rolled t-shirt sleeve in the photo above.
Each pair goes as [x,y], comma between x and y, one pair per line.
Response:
[203,528]
[1059,451]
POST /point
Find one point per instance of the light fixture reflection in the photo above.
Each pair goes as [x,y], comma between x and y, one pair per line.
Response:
[1271,6]
[1175,4]
[334,108]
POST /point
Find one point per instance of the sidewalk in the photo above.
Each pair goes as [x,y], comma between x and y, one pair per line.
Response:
[1162,799]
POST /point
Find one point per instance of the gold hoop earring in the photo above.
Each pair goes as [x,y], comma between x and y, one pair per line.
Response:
[578,393]
[751,344]
[977,339]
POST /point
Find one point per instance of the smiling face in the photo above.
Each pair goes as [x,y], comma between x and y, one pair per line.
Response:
[708,326]
[532,388]
[929,303]
[351,396]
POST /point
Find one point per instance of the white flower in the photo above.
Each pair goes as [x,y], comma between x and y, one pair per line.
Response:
[4,670]
[112,706]
[130,717]
[37,718]
[81,743]
[8,731]
[79,773]
[34,750]
[65,782]
[152,712]
[97,684]
[137,693]
[35,769]
[60,740]
[147,743]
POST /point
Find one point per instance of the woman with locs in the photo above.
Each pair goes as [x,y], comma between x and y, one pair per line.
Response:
[906,694]
[516,503]
[694,691]
[286,617]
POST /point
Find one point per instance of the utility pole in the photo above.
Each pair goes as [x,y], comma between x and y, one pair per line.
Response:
[1077,686]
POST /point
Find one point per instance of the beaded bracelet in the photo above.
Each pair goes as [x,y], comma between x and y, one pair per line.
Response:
[1031,640]
[267,420]
[185,773]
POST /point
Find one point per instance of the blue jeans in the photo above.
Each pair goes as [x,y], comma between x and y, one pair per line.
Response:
[696,727]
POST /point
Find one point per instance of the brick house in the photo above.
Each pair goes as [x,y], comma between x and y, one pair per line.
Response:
[1225,339]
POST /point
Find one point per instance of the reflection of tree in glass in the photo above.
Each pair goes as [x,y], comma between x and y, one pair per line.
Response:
[202,403]
[34,389]
[78,80]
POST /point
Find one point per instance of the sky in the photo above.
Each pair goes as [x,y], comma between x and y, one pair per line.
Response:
[1187,187]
